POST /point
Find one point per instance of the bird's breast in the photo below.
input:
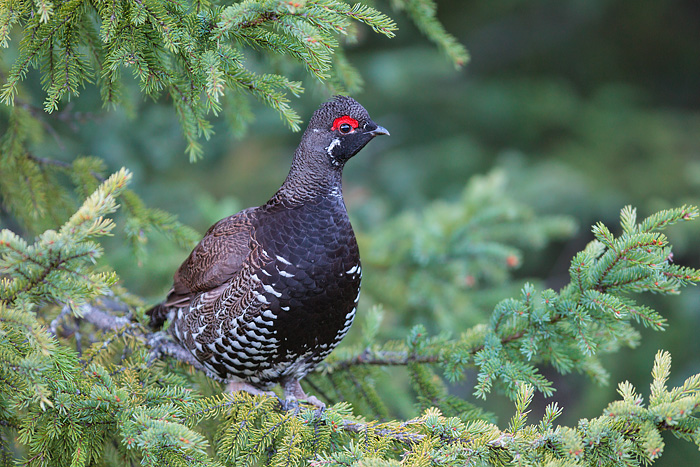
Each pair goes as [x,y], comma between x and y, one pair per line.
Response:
[311,272]
[310,250]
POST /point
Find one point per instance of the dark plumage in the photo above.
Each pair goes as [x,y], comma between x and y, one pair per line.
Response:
[270,291]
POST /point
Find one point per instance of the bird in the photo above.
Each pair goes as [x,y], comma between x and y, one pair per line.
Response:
[269,292]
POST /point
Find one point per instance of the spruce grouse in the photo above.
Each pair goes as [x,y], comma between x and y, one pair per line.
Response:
[270,291]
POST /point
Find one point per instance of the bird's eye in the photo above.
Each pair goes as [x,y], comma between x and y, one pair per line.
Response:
[345,124]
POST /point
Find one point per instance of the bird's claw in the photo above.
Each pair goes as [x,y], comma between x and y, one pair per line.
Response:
[292,403]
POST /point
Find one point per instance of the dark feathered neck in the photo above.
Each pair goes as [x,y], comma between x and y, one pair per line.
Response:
[311,176]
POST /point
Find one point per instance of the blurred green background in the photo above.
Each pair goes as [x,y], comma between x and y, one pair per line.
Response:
[584,105]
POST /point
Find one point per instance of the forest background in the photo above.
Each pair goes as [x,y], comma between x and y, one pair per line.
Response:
[571,108]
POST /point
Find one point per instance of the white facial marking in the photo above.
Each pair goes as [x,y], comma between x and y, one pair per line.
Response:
[334,143]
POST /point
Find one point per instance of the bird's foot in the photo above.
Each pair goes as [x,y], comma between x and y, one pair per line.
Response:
[293,393]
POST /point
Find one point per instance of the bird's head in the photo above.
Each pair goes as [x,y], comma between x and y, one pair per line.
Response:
[341,127]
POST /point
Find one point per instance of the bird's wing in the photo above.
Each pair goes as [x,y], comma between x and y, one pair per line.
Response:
[215,260]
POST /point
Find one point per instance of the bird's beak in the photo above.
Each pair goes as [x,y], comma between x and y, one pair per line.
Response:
[380,130]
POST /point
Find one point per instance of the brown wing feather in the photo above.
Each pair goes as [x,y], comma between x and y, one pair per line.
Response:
[215,260]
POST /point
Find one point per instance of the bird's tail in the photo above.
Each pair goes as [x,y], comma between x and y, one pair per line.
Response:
[158,315]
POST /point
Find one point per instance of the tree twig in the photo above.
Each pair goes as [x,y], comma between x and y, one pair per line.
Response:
[405,437]
[381,358]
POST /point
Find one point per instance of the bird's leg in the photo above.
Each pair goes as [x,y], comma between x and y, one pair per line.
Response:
[234,386]
[293,392]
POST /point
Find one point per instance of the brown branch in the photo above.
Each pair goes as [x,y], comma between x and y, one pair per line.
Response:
[263,18]
[104,320]
[61,164]
[354,426]
[622,254]
[387,358]
[54,264]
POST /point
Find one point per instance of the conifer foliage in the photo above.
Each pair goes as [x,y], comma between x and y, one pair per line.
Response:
[112,404]
[192,51]
[79,385]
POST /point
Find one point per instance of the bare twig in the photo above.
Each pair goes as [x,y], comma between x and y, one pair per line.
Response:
[61,164]
[397,435]
[103,319]
[53,327]
[381,358]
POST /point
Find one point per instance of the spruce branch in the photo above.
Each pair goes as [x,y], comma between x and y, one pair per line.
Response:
[63,165]
[87,173]
[379,358]
[423,13]
[191,50]
[626,430]
[381,430]
[155,416]
[568,329]
[58,265]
